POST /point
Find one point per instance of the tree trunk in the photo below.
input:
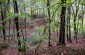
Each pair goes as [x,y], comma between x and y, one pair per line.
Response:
[69,28]
[3,24]
[8,10]
[82,18]
[16,23]
[62,24]
[49,19]
[75,18]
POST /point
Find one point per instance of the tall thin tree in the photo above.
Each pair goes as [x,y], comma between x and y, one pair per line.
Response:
[68,24]
[62,23]
[16,22]
[3,12]
[49,19]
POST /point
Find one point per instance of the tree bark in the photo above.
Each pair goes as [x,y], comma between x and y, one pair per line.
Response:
[62,24]
[16,23]
[75,18]
[69,28]
[3,24]
[49,20]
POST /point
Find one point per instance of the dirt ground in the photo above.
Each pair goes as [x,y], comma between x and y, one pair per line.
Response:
[70,48]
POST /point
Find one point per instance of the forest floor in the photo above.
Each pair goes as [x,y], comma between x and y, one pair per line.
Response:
[70,49]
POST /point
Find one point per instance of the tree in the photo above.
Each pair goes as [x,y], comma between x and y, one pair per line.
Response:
[62,23]
[68,24]
[3,14]
[16,22]
[49,20]
[75,19]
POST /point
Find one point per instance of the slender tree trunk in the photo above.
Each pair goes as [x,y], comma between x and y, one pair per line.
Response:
[32,13]
[82,27]
[69,28]
[49,17]
[16,22]
[75,29]
[3,24]
[8,10]
[75,18]
[62,24]
[24,37]
[82,18]
[67,32]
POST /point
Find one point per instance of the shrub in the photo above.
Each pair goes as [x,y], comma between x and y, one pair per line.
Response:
[81,52]
[36,36]
[22,48]
[3,46]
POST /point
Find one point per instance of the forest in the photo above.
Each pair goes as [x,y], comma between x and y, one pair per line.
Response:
[42,27]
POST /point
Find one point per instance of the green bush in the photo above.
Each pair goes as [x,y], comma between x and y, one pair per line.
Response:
[3,46]
[36,36]
[22,48]
[35,42]
[23,45]
[81,52]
